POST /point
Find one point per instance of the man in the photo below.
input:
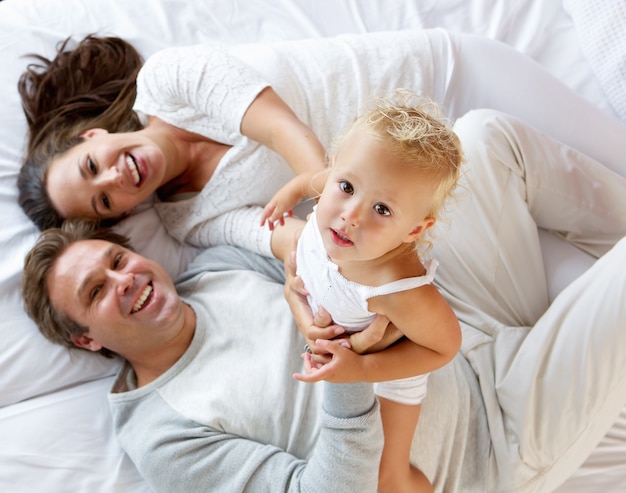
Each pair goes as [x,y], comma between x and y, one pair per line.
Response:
[206,401]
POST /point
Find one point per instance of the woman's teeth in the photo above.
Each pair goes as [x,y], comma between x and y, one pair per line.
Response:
[132,167]
[142,299]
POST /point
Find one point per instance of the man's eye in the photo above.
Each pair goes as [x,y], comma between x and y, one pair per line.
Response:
[94,293]
[117,261]
[91,166]
[382,209]
[346,187]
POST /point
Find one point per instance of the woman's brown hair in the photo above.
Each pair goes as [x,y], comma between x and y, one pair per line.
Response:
[92,85]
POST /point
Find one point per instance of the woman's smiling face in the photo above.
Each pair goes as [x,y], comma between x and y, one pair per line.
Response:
[105,176]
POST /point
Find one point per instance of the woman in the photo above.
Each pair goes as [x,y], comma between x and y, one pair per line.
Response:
[208,148]
[129,162]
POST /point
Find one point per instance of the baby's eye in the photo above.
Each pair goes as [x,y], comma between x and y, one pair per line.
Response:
[346,187]
[382,209]
[91,166]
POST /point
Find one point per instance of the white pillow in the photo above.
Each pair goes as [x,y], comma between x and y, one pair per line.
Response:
[601,29]
[64,441]
[29,364]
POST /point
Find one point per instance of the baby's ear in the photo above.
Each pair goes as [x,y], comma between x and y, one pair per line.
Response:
[86,342]
[418,230]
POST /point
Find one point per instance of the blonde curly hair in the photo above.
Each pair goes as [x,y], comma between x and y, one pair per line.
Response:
[414,129]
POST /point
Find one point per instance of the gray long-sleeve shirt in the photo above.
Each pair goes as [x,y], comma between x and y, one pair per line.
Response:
[228,416]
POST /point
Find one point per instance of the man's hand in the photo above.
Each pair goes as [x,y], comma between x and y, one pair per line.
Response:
[344,365]
[312,327]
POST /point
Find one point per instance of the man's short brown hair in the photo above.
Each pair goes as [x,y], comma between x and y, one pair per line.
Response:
[55,325]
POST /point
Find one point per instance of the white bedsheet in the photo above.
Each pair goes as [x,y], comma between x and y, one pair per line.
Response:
[54,421]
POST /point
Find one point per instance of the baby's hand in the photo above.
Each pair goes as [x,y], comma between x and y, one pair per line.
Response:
[274,215]
[283,201]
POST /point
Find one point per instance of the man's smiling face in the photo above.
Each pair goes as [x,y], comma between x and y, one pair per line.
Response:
[128,303]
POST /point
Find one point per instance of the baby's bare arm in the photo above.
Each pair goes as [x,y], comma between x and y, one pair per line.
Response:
[431,329]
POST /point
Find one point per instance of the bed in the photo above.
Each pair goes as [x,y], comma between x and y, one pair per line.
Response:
[54,420]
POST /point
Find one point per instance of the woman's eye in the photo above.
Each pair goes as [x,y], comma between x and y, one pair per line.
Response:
[346,187]
[106,203]
[91,166]
[382,209]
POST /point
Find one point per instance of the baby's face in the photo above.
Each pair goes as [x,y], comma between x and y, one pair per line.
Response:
[373,201]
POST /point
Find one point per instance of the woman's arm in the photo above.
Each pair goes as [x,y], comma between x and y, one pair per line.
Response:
[270,121]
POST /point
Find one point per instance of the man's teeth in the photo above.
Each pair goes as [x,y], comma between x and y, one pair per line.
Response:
[142,299]
[134,171]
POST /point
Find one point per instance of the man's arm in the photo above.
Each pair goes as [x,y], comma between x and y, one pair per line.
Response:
[176,454]
[227,257]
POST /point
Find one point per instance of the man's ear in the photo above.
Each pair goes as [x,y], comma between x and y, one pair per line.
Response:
[86,342]
[418,230]
[92,132]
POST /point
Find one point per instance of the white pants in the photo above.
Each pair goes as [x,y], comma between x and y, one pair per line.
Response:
[473,72]
[553,376]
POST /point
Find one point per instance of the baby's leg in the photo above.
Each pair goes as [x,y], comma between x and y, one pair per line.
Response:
[483,73]
[397,475]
